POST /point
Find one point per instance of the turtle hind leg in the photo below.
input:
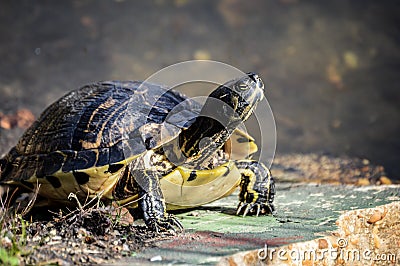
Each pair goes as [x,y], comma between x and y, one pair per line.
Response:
[152,203]
[257,189]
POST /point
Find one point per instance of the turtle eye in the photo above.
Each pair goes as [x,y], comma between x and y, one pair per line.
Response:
[243,87]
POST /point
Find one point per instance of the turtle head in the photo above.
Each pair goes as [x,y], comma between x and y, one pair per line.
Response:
[224,110]
[234,101]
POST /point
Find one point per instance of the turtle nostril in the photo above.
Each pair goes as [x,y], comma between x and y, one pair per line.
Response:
[260,84]
[253,76]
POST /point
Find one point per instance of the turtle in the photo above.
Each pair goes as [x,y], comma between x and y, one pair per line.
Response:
[145,146]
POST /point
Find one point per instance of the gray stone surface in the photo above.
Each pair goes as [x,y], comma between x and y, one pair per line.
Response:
[304,212]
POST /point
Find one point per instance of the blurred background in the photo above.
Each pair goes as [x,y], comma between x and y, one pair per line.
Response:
[331,67]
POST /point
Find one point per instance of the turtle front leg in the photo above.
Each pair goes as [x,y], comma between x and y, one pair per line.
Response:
[152,202]
[257,188]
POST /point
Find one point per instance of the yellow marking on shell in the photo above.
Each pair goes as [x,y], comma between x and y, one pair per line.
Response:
[237,150]
[107,104]
[92,145]
[100,181]
[208,186]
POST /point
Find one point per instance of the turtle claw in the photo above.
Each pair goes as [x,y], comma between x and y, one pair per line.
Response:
[246,211]
[246,207]
[253,208]
[239,208]
[165,224]
[258,210]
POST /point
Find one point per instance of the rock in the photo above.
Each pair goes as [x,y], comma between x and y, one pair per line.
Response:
[384,180]
[125,247]
[156,258]
[364,237]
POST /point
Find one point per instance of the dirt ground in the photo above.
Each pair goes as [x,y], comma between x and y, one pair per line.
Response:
[84,236]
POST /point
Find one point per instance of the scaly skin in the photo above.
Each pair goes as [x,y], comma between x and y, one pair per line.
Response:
[257,188]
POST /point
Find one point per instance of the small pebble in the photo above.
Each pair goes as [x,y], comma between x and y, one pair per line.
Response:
[125,247]
[385,180]
[363,182]
[36,238]
[376,216]
[377,241]
[83,259]
[365,162]
[100,244]
[82,231]
[52,243]
[322,244]
[53,232]
[55,238]
[194,214]
[6,242]
[156,258]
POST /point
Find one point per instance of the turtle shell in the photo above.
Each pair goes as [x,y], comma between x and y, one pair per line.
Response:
[99,125]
